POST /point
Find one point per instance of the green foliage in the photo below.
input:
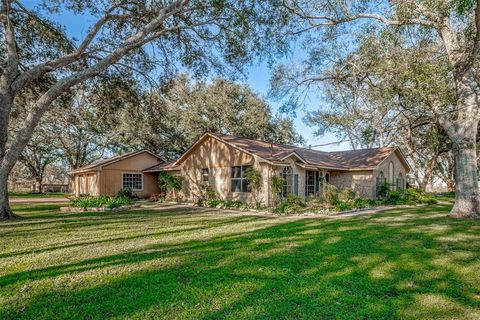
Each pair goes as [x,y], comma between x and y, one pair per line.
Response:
[462,7]
[276,185]
[254,178]
[126,192]
[409,196]
[282,264]
[330,194]
[100,202]
[293,204]
[168,182]
[346,195]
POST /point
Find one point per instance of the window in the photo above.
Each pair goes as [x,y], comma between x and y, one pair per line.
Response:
[205,176]
[391,173]
[309,183]
[239,182]
[381,181]
[133,181]
[327,177]
[287,176]
[400,181]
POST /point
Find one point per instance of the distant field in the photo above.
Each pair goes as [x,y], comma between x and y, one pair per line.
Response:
[189,263]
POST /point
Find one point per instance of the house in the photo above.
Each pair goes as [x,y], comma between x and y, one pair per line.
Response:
[108,176]
[220,161]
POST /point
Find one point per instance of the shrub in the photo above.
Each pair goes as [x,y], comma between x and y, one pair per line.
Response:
[100,202]
[234,204]
[167,182]
[314,203]
[346,195]
[293,204]
[360,203]
[126,192]
[330,194]
[214,202]
[343,206]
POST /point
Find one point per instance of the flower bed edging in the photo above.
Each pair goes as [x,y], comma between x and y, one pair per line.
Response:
[121,208]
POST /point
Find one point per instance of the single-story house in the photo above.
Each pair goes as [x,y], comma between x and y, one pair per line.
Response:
[220,161]
[108,176]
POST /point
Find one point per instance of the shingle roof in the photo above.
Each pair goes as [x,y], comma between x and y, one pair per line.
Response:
[347,160]
[102,162]
[363,159]
[166,166]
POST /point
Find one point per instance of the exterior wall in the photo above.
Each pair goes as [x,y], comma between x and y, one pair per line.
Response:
[108,180]
[86,183]
[218,158]
[362,182]
[398,167]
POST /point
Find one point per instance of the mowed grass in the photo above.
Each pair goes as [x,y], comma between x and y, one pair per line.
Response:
[29,195]
[198,264]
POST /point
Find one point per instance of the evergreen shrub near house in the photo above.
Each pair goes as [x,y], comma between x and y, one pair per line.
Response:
[100,202]
[126,192]
[168,182]
[292,204]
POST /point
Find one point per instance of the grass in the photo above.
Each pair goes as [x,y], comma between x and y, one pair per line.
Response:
[198,264]
[29,195]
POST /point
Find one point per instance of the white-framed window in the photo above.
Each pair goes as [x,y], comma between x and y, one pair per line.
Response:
[205,176]
[287,175]
[132,181]
[238,179]
[309,183]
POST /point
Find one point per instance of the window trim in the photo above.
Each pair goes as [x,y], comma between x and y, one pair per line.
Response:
[242,177]
[132,172]
[286,186]
[307,185]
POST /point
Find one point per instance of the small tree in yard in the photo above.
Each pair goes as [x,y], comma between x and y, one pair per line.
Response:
[168,182]
[255,181]
[203,36]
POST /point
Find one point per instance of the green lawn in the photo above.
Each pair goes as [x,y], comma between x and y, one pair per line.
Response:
[14,195]
[186,264]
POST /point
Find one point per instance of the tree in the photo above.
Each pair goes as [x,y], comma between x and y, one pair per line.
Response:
[456,42]
[199,35]
[170,119]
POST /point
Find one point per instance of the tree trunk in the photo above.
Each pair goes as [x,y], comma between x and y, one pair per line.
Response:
[5,211]
[467,200]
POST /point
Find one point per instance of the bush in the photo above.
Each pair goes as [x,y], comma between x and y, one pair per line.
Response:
[330,194]
[126,192]
[343,206]
[360,203]
[214,202]
[235,204]
[100,202]
[293,204]
[346,195]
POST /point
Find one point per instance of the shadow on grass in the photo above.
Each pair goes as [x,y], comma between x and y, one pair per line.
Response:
[409,263]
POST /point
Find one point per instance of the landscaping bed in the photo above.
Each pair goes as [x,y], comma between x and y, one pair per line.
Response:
[100,204]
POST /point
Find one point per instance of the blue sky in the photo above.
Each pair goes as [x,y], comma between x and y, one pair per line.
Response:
[258,79]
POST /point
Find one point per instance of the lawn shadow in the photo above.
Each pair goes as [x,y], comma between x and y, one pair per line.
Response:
[399,264]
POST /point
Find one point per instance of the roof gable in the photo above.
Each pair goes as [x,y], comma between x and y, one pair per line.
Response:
[98,164]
